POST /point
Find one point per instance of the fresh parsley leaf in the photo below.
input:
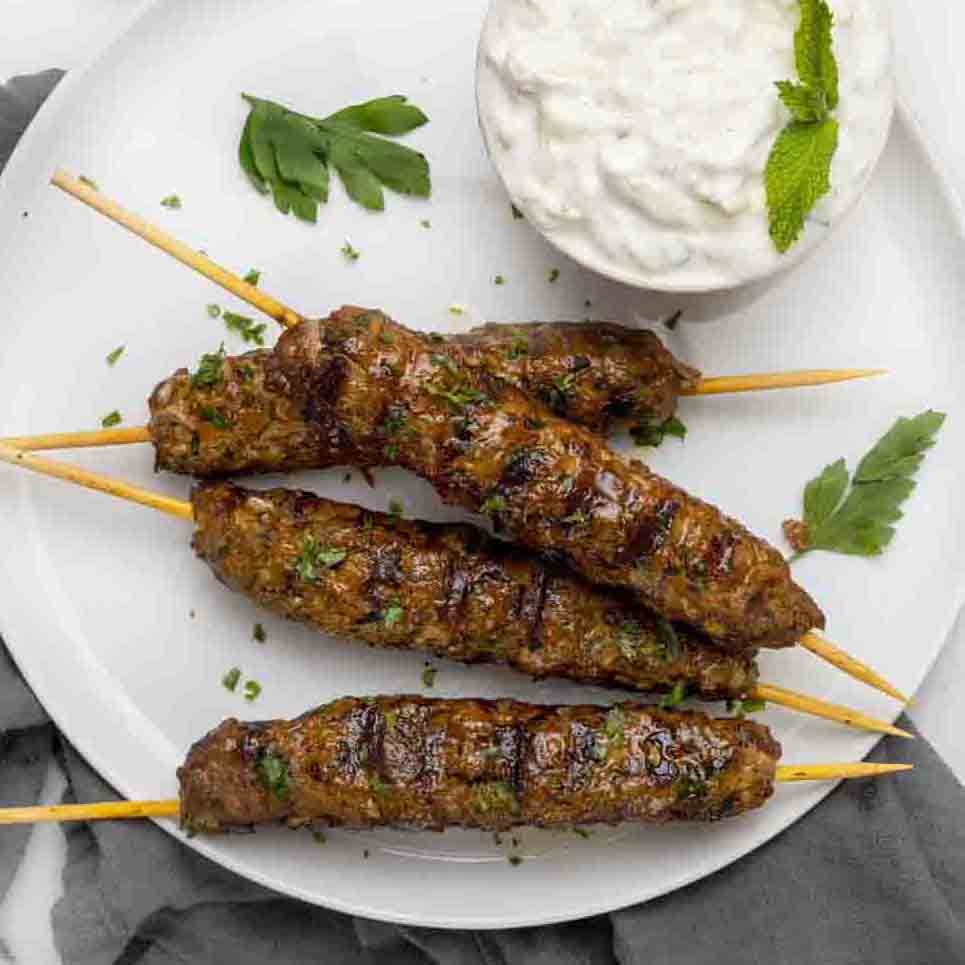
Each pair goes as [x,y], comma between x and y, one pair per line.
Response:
[111,419]
[499,280]
[258,633]
[517,214]
[671,322]
[553,275]
[798,170]
[315,557]
[748,705]
[797,175]
[429,676]
[273,773]
[493,504]
[252,689]
[289,154]
[115,355]
[615,728]
[350,252]
[393,613]
[457,310]
[652,433]
[230,680]
[214,311]
[171,201]
[247,328]
[210,368]
[425,222]
[396,507]
[253,276]
[860,521]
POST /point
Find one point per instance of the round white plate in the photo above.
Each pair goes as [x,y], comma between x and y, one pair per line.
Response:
[99,595]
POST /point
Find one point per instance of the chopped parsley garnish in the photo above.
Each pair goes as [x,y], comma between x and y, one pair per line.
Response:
[649,432]
[90,182]
[253,276]
[515,860]
[315,557]
[614,727]
[350,252]
[499,280]
[396,507]
[689,788]
[426,223]
[553,275]
[459,396]
[493,504]
[290,154]
[378,787]
[495,796]
[217,418]
[457,310]
[272,771]
[214,311]
[210,368]
[676,696]
[258,633]
[519,346]
[672,321]
[667,637]
[247,328]
[319,837]
[171,201]
[429,676]
[517,214]
[581,832]
[748,705]
[115,355]
[860,521]
[252,689]
[111,419]
[230,679]
[393,613]
[395,420]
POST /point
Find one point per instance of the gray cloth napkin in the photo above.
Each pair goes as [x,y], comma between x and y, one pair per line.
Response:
[876,873]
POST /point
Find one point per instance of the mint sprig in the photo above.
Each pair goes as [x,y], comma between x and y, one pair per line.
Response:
[798,171]
[289,154]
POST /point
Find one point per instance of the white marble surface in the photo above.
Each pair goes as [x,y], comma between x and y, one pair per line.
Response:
[37,34]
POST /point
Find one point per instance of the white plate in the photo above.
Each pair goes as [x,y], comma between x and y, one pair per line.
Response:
[97,593]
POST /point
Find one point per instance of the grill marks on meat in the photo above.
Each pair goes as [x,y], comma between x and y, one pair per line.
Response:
[592,373]
[414,762]
[449,590]
[550,484]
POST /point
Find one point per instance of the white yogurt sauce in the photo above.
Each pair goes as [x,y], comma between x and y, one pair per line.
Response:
[634,133]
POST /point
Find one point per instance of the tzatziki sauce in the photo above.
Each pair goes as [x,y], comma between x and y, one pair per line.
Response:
[634,133]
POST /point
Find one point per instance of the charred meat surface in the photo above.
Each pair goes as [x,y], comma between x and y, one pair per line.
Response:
[244,422]
[549,484]
[414,762]
[447,589]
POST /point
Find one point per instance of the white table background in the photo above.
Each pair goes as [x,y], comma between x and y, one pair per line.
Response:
[36,34]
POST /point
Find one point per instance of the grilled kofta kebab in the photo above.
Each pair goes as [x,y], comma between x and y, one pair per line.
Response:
[382,395]
[429,764]
[448,589]
[234,416]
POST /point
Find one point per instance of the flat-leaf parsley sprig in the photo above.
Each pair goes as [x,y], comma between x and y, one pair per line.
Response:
[861,522]
[798,171]
[289,154]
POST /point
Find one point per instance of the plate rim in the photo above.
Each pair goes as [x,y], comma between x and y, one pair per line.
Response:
[58,104]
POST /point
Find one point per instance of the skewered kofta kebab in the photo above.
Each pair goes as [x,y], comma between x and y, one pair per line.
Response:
[448,589]
[428,764]
[548,483]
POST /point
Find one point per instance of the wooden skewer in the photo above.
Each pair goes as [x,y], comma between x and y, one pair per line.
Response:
[187,255]
[853,667]
[79,440]
[288,317]
[183,509]
[171,807]
[763,381]
[823,708]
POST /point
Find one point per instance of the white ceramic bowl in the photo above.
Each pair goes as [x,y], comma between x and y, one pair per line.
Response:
[635,141]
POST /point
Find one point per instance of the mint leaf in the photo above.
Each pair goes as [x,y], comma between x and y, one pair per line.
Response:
[862,524]
[805,103]
[798,173]
[813,53]
[290,154]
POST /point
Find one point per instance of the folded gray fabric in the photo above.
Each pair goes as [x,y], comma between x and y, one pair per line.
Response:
[875,873]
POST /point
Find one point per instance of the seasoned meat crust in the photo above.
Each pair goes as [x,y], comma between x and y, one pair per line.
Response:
[414,762]
[548,484]
[446,589]
[591,373]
